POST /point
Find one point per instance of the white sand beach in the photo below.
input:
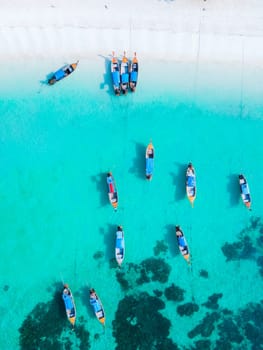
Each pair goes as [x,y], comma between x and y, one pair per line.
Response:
[180,30]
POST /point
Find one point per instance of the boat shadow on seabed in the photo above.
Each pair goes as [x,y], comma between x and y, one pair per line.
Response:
[106,83]
[138,166]
[233,189]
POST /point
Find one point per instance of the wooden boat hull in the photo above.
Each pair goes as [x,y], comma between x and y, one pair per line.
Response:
[62,73]
[134,70]
[97,307]
[115,74]
[124,75]
[149,158]
[119,246]
[190,184]
[245,192]
[182,244]
[112,191]
[69,305]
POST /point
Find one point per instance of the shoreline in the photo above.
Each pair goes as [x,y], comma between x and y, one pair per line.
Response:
[218,32]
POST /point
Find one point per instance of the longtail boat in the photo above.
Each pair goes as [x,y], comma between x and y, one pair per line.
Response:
[69,304]
[245,192]
[115,74]
[182,244]
[112,191]
[119,246]
[97,306]
[149,157]
[134,70]
[124,74]
[62,73]
[190,183]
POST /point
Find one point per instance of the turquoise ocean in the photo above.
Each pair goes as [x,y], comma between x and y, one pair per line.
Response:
[57,226]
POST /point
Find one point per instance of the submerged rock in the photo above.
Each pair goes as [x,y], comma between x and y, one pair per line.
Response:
[228,329]
[187,309]
[212,301]
[121,278]
[203,345]
[151,269]
[223,344]
[203,273]
[206,327]
[138,324]
[158,293]
[155,269]
[174,293]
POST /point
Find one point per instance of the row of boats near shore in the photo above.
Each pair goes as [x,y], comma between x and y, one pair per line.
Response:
[124,74]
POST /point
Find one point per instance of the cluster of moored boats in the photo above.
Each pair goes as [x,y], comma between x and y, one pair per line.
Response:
[190,183]
[124,74]
[70,307]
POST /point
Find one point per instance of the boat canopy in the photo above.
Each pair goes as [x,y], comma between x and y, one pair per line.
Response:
[109,180]
[119,241]
[95,304]
[119,234]
[125,78]
[134,76]
[149,165]
[182,241]
[244,189]
[116,78]
[68,302]
[191,181]
[59,74]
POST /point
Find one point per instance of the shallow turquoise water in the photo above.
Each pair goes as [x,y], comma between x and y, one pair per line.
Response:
[57,143]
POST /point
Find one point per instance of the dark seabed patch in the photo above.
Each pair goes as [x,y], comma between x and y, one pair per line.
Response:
[249,243]
[206,327]
[161,247]
[47,327]
[212,302]
[202,345]
[98,255]
[241,330]
[187,309]
[152,269]
[139,324]
[137,316]
[174,293]
[203,273]
[229,330]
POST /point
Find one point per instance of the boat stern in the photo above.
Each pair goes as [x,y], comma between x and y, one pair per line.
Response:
[102,321]
[248,204]
[191,200]
[72,320]
[115,205]
[187,258]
